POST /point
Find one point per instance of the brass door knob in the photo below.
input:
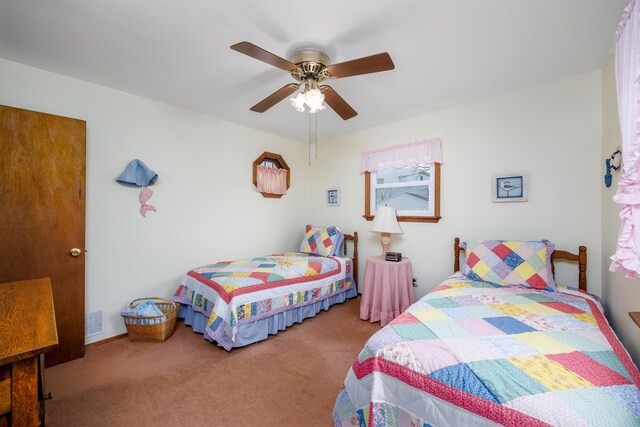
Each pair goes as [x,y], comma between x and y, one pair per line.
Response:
[75,252]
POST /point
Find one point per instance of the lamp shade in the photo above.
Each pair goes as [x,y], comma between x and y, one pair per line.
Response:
[386,221]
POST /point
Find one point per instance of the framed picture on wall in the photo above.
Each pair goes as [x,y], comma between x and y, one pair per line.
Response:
[333,197]
[510,188]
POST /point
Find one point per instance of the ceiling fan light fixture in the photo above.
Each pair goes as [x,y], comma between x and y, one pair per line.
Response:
[298,102]
[312,98]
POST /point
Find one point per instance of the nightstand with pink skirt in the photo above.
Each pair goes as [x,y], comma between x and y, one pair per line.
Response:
[387,289]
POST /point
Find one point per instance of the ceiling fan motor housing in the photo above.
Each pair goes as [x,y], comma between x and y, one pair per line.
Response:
[310,55]
[311,62]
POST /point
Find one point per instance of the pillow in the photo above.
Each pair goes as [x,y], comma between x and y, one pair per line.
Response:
[337,249]
[320,240]
[510,262]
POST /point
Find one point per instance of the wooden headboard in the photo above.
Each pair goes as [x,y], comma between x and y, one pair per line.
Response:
[353,238]
[581,257]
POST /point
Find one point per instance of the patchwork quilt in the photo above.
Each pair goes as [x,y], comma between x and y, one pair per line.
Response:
[477,353]
[233,293]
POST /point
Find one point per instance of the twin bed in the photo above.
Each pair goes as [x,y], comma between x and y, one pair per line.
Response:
[501,344]
[236,303]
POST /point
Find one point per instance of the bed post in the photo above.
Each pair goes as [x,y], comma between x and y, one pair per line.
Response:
[582,265]
[355,257]
[456,252]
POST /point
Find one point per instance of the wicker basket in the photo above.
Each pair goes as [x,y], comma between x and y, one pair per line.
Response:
[151,328]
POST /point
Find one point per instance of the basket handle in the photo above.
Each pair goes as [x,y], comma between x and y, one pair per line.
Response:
[135,302]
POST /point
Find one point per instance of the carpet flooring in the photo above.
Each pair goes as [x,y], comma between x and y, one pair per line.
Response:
[291,379]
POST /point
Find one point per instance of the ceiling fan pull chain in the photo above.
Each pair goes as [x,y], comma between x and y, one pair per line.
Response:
[313,136]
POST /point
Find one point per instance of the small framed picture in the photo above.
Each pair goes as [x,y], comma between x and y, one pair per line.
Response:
[510,188]
[333,197]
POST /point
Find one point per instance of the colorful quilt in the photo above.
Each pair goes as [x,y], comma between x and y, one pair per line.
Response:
[476,353]
[233,293]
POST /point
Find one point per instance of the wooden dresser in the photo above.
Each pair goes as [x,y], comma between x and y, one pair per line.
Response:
[27,329]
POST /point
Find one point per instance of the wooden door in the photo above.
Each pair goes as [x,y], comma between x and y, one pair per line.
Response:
[42,214]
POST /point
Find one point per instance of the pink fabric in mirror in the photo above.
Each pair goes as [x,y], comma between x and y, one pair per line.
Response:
[626,259]
[271,180]
[398,156]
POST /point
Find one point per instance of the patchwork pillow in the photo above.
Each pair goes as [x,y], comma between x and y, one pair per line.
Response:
[510,262]
[320,240]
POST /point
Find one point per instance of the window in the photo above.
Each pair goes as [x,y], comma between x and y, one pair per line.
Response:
[405,177]
[413,190]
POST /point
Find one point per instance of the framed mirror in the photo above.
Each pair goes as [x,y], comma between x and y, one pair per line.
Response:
[271,175]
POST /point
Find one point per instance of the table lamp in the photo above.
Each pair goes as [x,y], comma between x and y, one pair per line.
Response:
[386,222]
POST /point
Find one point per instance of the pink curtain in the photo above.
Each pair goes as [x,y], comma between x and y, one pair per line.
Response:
[398,156]
[271,180]
[627,256]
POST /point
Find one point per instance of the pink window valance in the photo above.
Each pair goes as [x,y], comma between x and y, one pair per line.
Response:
[398,156]
[271,180]
[627,256]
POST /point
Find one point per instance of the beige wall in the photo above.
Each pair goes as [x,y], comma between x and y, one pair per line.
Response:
[552,132]
[620,295]
[207,205]
[208,209]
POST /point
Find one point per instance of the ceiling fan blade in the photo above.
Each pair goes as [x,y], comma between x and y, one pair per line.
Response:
[366,65]
[338,104]
[260,54]
[275,97]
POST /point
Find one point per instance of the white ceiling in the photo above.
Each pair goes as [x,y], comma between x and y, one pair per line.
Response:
[446,52]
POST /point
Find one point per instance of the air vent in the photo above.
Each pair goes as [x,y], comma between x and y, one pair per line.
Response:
[94,323]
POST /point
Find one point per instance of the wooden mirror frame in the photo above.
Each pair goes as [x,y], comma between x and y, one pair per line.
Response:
[276,158]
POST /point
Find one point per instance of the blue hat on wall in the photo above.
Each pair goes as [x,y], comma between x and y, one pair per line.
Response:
[137,174]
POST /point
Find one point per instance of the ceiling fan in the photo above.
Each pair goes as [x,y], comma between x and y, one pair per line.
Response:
[310,67]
